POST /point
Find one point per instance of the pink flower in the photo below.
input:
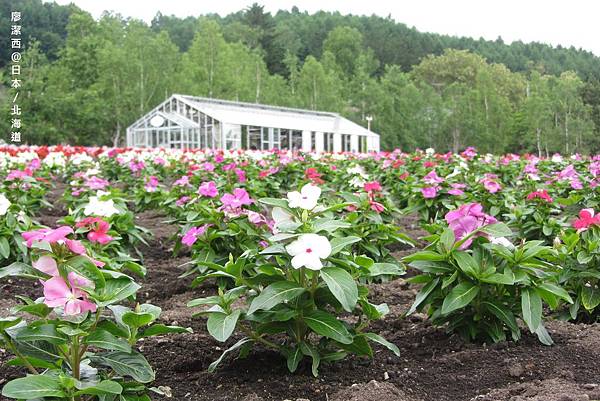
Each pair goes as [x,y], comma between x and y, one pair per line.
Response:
[136,166]
[183,181]
[372,186]
[208,166]
[376,206]
[48,235]
[98,230]
[96,183]
[46,264]
[457,189]
[151,184]
[241,175]
[541,194]
[429,192]
[236,200]
[192,234]
[160,161]
[491,186]
[432,178]
[586,219]
[182,201]
[208,189]
[466,219]
[74,301]
[256,218]
[18,175]
[75,246]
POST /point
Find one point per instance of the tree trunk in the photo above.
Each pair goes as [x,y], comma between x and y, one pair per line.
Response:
[117,137]
[538,137]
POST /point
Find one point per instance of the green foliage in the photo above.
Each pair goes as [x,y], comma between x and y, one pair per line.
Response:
[88,80]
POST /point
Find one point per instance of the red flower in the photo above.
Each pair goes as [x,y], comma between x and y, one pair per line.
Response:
[586,219]
[98,229]
[372,186]
[313,174]
[542,194]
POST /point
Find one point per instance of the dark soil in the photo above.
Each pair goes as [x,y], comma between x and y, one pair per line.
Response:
[434,366]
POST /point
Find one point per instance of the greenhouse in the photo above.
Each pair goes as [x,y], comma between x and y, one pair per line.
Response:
[189,122]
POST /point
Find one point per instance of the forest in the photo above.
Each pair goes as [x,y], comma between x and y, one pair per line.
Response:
[84,80]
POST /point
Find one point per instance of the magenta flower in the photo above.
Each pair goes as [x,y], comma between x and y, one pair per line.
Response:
[491,186]
[74,301]
[429,192]
[46,264]
[241,175]
[182,201]
[190,237]
[256,218]
[183,181]
[96,183]
[48,235]
[151,184]
[208,166]
[236,200]
[587,218]
[466,219]
[208,189]
[432,178]
[457,189]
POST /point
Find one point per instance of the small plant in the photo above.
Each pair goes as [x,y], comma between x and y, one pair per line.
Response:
[478,283]
[79,344]
[296,289]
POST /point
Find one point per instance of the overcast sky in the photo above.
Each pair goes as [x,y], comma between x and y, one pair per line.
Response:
[564,22]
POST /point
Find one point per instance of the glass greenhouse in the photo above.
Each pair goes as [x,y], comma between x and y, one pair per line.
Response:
[189,122]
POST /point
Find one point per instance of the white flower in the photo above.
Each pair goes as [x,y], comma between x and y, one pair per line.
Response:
[357,182]
[97,207]
[4,204]
[430,151]
[502,241]
[280,217]
[307,198]
[556,158]
[308,250]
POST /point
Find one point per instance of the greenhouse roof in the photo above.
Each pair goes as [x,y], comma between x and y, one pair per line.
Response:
[253,114]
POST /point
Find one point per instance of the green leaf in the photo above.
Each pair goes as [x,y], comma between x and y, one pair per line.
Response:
[105,340]
[293,359]
[329,225]
[447,239]
[276,293]
[221,325]
[117,290]
[380,340]
[327,325]
[337,244]
[459,297]
[497,278]
[33,387]
[556,290]
[590,297]
[158,329]
[212,300]
[424,255]
[388,269]
[342,286]
[127,364]
[8,322]
[135,319]
[496,230]
[423,294]
[21,270]
[531,306]
[467,263]
[242,342]
[282,203]
[502,313]
[104,387]
[543,335]
[45,332]
[314,354]
[4,247]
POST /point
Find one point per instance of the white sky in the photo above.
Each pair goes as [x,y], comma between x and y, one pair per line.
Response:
[564,22]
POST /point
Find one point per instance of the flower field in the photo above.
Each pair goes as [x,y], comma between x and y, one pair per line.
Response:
[134,275]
